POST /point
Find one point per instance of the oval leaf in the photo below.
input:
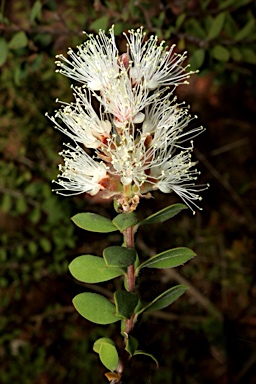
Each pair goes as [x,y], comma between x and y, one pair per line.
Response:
[220,53]
[216,26]
[19,40]
[197,58]
[95,308]
[101,23]
[93,222]
[125,220]
[92,269]
[245,31]
[163,215]
[36,11]
[125,303]
[106,349]
[169,259]
[3,51]
[249,55]
[116,256]
[165,299]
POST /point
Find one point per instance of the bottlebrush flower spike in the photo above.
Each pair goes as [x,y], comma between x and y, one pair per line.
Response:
[136,134]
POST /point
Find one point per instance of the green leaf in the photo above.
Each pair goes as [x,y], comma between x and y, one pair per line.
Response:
[119,28]
[6,203]
[194,27]
[169,259]
[36,11]
[236,54]
[19,40]
[179,20]
[3,51]
[131,345]
[220,53]
[116,256]
[95,308]
[93,222]
[21,206]
[139,352]
[226,3]
[35,215]
[32,246]
[163,215]
[106,349]
[249,55]
[45,244]
[165,299]
[125,303]
[3,255]
[204,4]
[92,269]
[216,26]
[245,31]
[196,60]
[230,27]
[125,220]
[101,23]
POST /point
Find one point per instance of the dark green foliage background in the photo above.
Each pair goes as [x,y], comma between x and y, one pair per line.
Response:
[209,334]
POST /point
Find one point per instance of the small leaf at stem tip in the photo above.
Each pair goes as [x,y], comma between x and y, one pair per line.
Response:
[131,345]
[139,352]
[92,269]
[106,349]
[95,308]
[125,220]
[120,257]
[163,215]
[169,259]
[125,303]
[165,299]
[93,222]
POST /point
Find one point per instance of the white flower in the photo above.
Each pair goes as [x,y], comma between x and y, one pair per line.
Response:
[166,123]
[124,101]
[176,172]
[95,63]
[83,124]
[153,64]
[137,129]
[80,173]
[129,158]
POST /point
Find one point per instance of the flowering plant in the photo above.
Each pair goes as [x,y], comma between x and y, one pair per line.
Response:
[129,132]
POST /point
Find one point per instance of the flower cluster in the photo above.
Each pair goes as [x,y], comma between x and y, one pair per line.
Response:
[127,127]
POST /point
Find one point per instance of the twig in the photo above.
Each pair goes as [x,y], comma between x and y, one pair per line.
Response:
[229,147]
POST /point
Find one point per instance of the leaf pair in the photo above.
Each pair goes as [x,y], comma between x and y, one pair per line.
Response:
[96,223]
[98,309]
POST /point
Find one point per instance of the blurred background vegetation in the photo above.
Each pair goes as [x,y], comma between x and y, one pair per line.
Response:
[209,335]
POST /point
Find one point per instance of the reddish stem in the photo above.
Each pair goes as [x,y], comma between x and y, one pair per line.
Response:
[129,240]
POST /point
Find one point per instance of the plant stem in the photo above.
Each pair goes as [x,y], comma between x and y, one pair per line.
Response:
[129,240]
